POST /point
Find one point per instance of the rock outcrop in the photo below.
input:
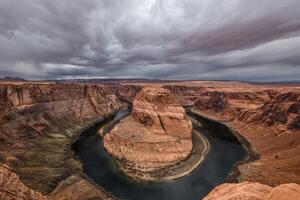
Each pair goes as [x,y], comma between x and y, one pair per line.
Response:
[254,191]
[125,93]
[217,102]
[11,188]
[282,109]
[75,187]
[157,133]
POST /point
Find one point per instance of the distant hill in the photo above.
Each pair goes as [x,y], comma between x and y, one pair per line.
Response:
[281,83]
[15,79]
[111,81]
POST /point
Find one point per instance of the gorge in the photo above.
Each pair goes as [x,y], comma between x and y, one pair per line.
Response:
[253,136]
[101,167]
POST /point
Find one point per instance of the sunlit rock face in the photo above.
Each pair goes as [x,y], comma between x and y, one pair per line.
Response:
[254,191]
[155,135]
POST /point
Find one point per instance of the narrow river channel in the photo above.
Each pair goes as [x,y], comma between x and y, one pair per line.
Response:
[100,167]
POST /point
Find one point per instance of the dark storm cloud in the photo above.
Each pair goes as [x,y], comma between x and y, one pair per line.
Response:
[188,39]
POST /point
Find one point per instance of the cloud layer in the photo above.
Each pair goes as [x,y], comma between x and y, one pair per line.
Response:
[166,39]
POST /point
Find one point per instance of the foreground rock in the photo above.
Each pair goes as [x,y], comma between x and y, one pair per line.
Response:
[254,191]
[157,134]
[11,188]
[75,187]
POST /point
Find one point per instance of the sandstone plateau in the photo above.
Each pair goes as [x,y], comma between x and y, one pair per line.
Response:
[157,133]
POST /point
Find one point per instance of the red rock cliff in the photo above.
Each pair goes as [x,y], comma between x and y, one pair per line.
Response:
[267,116]
[39,123]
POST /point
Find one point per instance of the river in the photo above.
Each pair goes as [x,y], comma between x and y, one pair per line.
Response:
[100,166]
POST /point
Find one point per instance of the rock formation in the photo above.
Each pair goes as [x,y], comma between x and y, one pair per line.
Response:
[267,116]
[157,133]
[282,109]
[39,122]
[124,92]
[217,102]
[74,187]
[254,191]
[11,188]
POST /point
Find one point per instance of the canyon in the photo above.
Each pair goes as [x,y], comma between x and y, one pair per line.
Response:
[40,121]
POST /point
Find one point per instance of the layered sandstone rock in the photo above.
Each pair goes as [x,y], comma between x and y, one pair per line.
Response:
[187,95]
[11,188]
[157,133]
[39,122]
[74,187]
[124,92]
[282,109]
[254,191]
[267,116]
[217,101]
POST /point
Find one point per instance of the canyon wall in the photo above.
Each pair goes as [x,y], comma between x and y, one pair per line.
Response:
[39,122]
[125,93]
[266,115]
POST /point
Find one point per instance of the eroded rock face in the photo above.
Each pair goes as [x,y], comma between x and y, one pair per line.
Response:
[280,109]
[267,116]
[217,102]
[38,124]
[155,135]
[74,187]
[254,191]
[187,95]
[295,123]
[11,188]
[124,92]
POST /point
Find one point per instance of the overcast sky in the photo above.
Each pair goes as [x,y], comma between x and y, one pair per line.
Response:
[164,39]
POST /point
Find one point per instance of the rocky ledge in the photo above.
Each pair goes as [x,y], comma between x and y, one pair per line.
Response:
[158,134]
[254,191]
